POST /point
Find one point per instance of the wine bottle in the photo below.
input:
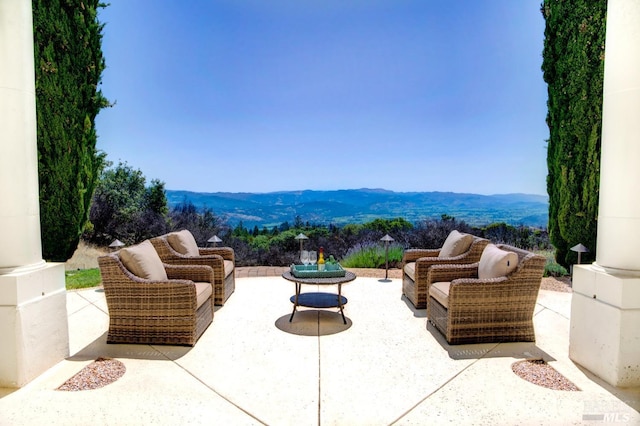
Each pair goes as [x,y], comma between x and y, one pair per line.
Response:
[321,259]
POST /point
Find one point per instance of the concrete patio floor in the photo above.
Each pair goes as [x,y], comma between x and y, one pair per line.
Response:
[252,366]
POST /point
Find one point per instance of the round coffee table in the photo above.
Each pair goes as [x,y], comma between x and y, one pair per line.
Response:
[319,299]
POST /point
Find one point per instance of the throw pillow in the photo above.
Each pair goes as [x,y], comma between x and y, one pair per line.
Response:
[495,262]
[143,261]
[184,243]
[455,244]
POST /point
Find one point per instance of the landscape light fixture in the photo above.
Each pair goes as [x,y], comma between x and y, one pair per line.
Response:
[579,248]
[386,239]
[116,244]
[301,237]
[214,240]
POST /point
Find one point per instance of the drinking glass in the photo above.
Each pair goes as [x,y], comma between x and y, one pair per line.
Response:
[313,257]
[304,257]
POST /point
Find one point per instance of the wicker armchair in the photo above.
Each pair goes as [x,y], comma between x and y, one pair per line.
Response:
[467,309]
[417,262]
[221,259]
[175,311]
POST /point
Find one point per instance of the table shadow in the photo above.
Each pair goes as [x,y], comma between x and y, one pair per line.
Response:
[313,323]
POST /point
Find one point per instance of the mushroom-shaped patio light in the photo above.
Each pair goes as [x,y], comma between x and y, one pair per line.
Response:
[301,237]
[579,248]
[214,240]
[386,239]
[116,244]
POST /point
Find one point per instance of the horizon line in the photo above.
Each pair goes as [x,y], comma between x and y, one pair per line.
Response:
[355,189]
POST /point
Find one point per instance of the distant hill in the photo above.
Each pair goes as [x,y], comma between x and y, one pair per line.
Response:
[363,205]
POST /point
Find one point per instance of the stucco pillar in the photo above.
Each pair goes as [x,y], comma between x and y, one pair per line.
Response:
[605,314]
[33,315]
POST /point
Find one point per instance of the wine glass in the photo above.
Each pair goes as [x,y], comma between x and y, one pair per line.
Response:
[304,257]
[313,257]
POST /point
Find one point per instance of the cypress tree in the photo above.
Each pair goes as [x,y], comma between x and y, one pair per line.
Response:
[68,68]
[573,67]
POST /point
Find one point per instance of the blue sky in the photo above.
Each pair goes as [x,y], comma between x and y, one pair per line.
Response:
[263,96]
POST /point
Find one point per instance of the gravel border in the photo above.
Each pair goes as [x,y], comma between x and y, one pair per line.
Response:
[538,372]
[99,373]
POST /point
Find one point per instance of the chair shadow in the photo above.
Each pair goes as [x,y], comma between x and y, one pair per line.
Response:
[100,348]
[418,313]
[522,350]
[311,322]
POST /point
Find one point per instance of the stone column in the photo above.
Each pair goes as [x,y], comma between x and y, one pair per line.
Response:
[33,316]
[605,312]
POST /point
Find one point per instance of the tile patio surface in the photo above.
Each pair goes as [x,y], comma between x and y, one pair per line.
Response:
[252,366]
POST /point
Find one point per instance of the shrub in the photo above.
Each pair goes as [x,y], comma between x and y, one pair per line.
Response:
[372,255]
[553,268]
[433,233]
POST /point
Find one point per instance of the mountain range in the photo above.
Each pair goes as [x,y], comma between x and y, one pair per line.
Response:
[340,207]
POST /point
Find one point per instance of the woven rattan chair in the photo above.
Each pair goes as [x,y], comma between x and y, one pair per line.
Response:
[466,309]
[175,311]
[416,264]
[221,259]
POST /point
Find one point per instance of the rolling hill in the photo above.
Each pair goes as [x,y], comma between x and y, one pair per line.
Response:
[341,207]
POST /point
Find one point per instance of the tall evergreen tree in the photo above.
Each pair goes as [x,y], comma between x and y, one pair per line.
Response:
[573,67]
[69,65]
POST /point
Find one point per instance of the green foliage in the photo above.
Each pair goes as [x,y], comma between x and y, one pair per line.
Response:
[124,208]
[521,236]
[82,278]
[284,240]
[389,226]
[155,198]
[573,66]
[68,69]
[552,268]
[260,242]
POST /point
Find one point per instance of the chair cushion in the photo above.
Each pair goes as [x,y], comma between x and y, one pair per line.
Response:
[410,270]
[455,244]
[440,292]
[143,261]
[228,267]
[495,262]
[184,243]
[203,292]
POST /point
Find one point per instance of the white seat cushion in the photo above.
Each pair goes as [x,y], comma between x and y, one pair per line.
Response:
[184,243]
[143,261]
[203,292]
[410,270]
[228,268]
[456,244]
[440,292]
[495,262]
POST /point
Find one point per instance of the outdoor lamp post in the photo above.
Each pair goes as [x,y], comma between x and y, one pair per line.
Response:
[579,248]
[214,240]
[301,237]
[387,239]
[116,244]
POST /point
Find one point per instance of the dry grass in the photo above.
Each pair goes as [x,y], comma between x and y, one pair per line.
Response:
[85,257]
